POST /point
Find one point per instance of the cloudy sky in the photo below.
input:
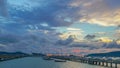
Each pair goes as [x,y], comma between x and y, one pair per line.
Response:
[69,26]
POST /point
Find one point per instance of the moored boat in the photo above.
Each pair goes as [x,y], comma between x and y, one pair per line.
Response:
[59,60]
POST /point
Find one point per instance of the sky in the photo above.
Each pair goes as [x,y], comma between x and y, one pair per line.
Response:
[55,26]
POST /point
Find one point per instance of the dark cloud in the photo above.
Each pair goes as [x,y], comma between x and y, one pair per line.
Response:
[54,13]
[113,3]
[31,42]
[84,45]
[118,27]
[8,38]
[13,28]
[66,42]
[3,8]
[90,37]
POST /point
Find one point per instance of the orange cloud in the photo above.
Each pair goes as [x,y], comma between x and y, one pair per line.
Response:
[77,50]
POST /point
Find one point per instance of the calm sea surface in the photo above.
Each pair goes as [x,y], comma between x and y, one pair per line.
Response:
[36,62]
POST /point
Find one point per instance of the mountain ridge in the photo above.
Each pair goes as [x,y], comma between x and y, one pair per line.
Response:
[108,54]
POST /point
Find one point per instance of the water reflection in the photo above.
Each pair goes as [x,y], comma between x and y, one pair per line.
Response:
[70,64]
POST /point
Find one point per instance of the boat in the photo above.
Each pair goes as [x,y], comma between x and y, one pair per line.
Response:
[59,60]
[47,58]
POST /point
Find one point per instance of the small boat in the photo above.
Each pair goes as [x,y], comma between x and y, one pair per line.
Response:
[47,58]
[59,60]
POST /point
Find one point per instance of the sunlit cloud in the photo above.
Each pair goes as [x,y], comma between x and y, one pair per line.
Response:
[105,39]
[65,35]
[77,33]
[97,12]
[118,41]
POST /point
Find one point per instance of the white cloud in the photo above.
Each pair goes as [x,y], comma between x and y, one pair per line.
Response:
[100,33]
[25,4]
[78,33]
[73,29]
[44,24]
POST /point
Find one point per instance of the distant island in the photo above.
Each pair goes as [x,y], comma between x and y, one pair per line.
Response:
[11,55]
[109,54]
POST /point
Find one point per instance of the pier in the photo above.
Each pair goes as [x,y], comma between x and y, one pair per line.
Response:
[110,63]
[99,62]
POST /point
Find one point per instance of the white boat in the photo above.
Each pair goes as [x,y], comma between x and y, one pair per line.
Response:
[59,60]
